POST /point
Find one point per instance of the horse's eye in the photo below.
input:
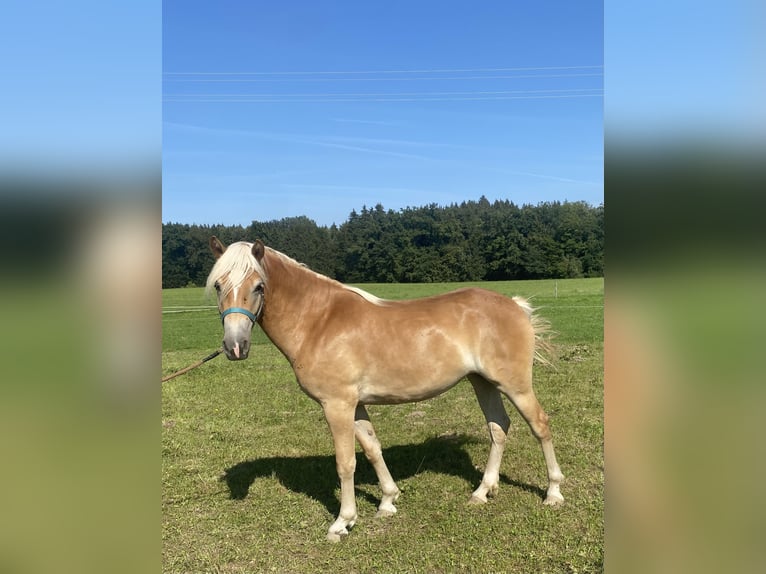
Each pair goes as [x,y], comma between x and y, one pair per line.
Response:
[258,288]
[217,286]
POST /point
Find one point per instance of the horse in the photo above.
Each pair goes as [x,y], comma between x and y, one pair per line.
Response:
[349,349]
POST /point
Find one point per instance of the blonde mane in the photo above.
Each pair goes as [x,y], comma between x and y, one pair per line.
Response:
[361,292]
[237,262]
[365,295]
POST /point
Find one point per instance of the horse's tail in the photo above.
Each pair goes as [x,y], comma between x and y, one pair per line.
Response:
[544,351]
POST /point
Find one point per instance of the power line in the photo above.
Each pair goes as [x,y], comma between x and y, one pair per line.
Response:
[362,72]
[383,76]
[399,94]
[389,99]
[406,79]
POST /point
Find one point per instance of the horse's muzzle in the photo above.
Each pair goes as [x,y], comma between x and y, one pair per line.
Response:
[236,350]
[236,336]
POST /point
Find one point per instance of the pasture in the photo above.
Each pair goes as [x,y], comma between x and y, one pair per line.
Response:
[248,467]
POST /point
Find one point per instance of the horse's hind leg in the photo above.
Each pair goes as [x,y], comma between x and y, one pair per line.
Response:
[365,434]
[498,422]
[527,404]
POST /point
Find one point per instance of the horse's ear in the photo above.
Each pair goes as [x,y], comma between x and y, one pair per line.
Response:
[216,246]
[258,250]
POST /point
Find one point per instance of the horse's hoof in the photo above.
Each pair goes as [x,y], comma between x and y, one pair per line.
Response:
[475,500]
[552,500]
[385,513]
[336,537]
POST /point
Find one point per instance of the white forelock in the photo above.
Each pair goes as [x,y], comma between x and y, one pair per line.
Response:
[231,269]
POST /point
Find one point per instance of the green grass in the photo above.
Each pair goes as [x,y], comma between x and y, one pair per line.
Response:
[248,472]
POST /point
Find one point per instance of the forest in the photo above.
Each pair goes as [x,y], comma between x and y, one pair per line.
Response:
[470,241]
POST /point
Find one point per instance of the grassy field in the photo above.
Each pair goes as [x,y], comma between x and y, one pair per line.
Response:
[248,469]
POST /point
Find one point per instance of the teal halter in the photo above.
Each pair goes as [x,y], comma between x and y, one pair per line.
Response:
[252,316]
[246,312]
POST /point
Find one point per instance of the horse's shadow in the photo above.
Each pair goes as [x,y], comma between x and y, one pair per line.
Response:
[315,476]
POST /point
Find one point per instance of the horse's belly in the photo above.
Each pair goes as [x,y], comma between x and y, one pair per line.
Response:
[394,390]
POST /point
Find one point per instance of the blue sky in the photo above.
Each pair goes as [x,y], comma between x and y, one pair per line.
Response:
[278,109]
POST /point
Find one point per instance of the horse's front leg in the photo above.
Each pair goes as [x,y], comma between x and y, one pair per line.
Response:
[340,418]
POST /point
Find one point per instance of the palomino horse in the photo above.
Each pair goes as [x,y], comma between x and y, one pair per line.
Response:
[349,349]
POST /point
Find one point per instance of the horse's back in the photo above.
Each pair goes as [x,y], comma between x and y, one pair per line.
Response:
[485,306]
[453,315]
[453,331]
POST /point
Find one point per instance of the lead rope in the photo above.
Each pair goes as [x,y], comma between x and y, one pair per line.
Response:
[193,366]
[252,316]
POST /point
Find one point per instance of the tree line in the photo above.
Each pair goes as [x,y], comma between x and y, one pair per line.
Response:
[470,241]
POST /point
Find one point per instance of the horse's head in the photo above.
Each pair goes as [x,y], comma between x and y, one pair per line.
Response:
[239,281]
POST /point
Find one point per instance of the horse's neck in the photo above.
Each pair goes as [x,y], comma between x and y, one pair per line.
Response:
[295,304]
